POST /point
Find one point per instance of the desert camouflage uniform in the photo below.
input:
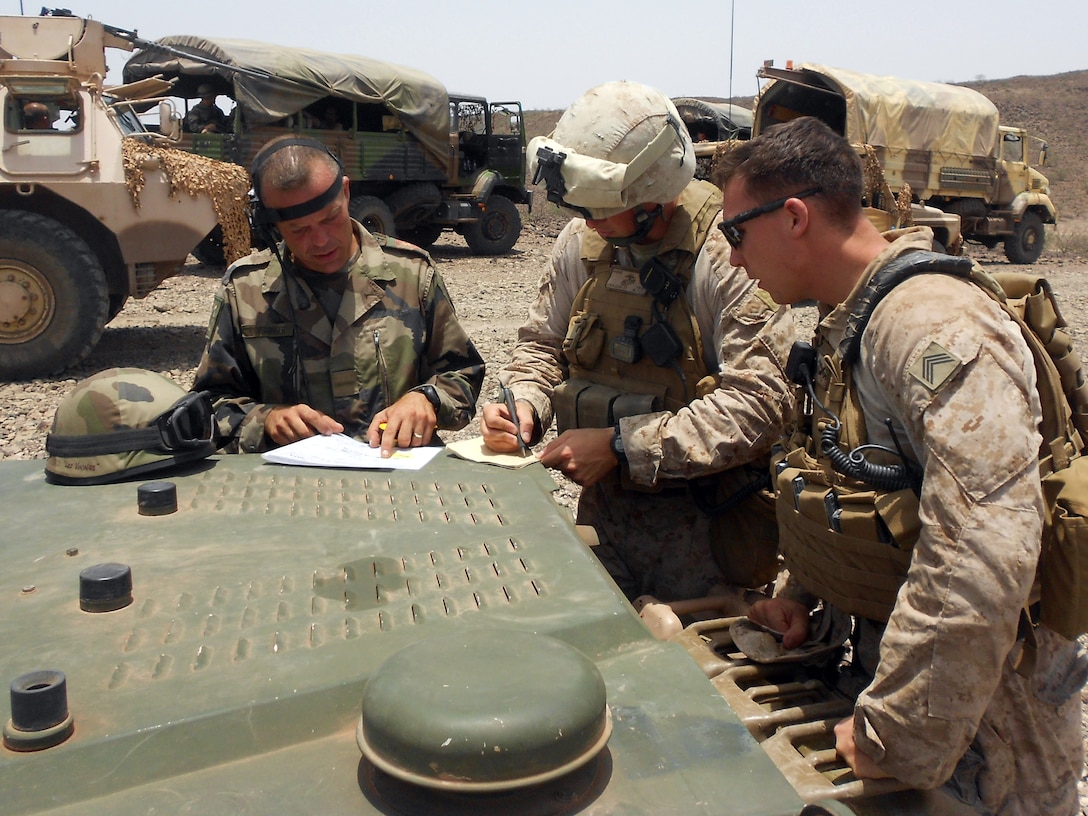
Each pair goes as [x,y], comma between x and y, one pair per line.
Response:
[396,329]
[658,542]
[945,697]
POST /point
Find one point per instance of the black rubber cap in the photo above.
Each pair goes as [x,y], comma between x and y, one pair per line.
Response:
[105,587]
[39,700]
[157,498]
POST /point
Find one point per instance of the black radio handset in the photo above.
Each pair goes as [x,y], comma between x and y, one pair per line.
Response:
[801,369]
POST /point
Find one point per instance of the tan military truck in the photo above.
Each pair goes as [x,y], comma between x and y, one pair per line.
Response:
[94,209]
[942,143]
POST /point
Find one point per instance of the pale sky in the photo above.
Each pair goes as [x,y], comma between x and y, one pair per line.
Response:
[547,53]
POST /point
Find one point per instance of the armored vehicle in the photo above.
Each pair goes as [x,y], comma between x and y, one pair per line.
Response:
[242,636]
[420,160]
[941,142]
[94,209]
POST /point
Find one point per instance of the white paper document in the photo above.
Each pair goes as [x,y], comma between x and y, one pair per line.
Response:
[340,451]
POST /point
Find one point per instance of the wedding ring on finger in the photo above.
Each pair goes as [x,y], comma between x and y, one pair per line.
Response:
[417,435]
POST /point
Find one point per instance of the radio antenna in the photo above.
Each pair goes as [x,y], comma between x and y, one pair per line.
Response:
[732,17]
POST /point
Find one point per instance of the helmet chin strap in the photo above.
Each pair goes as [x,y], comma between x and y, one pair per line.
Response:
[644,222]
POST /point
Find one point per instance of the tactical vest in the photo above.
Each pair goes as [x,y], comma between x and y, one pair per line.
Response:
[617,329]
[850,542]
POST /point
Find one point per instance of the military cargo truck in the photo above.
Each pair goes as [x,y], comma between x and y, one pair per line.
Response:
[244,648]
[942,142]
[713,121]
[93,208]
[715,128]
[420,160]
[708,124]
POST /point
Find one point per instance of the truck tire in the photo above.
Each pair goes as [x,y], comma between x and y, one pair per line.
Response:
[498,228]
[413,204]
[1025,245]
[374,214]
[53,296]
[117,303]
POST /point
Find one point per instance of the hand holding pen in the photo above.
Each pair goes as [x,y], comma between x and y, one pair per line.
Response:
[511,406]
[497,429]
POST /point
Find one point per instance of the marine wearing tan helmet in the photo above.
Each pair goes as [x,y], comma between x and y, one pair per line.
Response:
[622,144]
[643,347]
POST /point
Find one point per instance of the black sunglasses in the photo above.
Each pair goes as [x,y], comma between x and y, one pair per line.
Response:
[734,235]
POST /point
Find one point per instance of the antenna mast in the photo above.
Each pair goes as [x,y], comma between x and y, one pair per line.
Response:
[732,17]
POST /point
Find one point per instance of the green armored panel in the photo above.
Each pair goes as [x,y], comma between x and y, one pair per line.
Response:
[234,680]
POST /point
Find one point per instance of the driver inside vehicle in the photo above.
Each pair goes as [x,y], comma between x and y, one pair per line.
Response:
[36,116]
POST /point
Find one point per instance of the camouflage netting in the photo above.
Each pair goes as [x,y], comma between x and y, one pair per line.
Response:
[226,184]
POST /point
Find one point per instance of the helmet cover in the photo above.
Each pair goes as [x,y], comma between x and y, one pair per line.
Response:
[126,421]
[621,144]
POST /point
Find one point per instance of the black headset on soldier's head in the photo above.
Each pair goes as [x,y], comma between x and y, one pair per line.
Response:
[264,221]
[265,218]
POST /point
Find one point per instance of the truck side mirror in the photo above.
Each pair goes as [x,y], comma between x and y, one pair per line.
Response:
[169,121]
[1042,156]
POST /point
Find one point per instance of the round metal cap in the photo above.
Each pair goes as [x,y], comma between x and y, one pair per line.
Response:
[105,587]
[39,711]
[157,498]
[484,710]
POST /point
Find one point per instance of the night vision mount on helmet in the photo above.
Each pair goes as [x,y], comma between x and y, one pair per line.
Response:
[620,145]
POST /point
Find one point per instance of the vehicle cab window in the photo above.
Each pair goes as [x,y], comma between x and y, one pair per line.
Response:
[42,114]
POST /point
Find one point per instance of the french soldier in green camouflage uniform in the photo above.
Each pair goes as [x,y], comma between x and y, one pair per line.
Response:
[335,330]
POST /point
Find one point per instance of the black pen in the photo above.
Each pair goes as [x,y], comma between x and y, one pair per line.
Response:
[508,396]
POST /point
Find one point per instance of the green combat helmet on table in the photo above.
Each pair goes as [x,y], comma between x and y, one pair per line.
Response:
[126,422]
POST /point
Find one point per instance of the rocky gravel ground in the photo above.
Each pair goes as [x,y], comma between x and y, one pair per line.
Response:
[165,331]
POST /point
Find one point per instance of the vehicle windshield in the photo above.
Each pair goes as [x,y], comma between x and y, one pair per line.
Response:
[127,119]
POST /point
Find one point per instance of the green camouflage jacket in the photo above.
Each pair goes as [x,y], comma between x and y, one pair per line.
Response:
[396,329]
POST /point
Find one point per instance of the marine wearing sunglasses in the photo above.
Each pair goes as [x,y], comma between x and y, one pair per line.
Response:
[731,227]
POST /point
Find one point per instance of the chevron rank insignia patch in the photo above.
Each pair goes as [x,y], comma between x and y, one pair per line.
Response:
[935,367]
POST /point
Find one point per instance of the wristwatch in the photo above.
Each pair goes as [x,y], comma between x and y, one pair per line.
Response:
[431,393]
[617,445]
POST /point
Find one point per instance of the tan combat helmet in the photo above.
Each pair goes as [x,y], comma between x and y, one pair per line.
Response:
[124,422]
[619,145]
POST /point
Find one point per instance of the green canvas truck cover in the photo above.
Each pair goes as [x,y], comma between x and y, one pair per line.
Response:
[899,113]
[277,81]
